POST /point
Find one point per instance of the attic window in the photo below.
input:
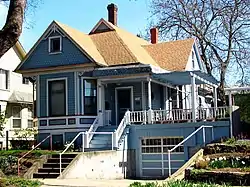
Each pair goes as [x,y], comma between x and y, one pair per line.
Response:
[55,44]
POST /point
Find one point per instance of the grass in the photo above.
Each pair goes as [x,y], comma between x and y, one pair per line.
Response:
[18,153]
[19,182]
[175,184]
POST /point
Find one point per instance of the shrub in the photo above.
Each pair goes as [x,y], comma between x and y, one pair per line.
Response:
[8,164]
[172,184]
[19,182]
[201,164]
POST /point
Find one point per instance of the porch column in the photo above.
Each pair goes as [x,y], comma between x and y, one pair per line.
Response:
[215,98]
[193,97]
[166,99]
[231,113]
[177,97]
[150,112]
[99,103]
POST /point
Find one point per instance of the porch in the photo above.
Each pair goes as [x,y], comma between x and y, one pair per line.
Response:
[159,98]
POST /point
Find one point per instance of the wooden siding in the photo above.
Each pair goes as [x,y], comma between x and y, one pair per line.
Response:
[40,58]
[43,92]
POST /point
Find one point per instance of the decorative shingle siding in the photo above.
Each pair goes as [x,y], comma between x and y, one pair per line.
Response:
[71,91]
[40,57]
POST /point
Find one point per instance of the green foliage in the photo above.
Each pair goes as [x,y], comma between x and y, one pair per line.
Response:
[172,184]
[8,164]
[243,101]
[224,162]
[18,153]
[2,121]
[19,182]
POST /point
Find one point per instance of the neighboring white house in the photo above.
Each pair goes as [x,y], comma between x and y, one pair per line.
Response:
[16,98]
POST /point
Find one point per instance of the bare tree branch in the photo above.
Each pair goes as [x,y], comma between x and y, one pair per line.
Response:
[12,29]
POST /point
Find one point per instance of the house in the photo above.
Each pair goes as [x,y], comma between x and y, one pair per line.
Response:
[120,92]
[16,98]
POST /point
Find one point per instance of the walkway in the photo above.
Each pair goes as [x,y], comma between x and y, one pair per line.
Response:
[87,183]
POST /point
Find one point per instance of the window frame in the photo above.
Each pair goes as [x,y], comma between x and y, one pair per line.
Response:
[83,96]
[50,40]
[30,117]
[16,118]
[7,79]
[161,145]
[65,79]
[25,80]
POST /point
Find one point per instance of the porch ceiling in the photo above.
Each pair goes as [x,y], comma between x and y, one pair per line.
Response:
[184,78]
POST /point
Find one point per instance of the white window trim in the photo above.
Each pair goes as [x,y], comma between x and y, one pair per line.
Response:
[83,92]
[19,118]
[51,38]
[30,118]
[47,93]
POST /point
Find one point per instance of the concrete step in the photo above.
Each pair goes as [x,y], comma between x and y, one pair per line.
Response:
[66,155]
[102,137]
[98,141]
[98,149]
[108,146]
[57,160]
[49,170]
[45,175]
[55,165]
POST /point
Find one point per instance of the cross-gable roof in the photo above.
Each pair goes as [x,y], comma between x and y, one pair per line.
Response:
[172,56]
[115,46]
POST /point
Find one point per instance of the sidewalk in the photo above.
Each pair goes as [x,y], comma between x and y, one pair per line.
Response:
[87,183]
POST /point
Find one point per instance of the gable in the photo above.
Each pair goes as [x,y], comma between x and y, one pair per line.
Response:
[195,62]
[41,58]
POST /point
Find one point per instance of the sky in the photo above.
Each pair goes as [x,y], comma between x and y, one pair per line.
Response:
[80,14]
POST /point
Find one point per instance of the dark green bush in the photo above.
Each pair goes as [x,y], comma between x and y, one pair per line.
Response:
[8,164]
[19,182]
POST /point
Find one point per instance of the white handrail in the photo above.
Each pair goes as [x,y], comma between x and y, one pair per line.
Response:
[92,128]
[124,122]
[187,138]
[60,155]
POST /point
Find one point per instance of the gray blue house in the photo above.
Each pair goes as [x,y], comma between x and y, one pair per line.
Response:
[110,83]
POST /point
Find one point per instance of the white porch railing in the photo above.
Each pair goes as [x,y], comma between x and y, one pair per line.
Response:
[213,113]
[107,117]
[90,132]
[179,115]
[138,117]
[124,122]
[186,139]
[172,115]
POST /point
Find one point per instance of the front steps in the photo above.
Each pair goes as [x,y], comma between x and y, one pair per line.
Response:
[102,142]
[51,169]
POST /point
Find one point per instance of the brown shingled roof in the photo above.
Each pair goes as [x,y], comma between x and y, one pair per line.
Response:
[172,56]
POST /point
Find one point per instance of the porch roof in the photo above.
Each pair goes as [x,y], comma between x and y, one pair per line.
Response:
[178,78]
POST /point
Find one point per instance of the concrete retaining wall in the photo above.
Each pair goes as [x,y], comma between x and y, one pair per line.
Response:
[97,165]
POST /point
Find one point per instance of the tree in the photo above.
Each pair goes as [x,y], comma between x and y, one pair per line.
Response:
[12,29]
[2,120]
[220,26]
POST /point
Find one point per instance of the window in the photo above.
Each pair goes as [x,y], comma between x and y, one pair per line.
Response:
[25,80]
[30,123]
[4,79]
[161,145]
[30,120]
[90,100]
[55,44]
[16,114]
[57,98]
[193,64]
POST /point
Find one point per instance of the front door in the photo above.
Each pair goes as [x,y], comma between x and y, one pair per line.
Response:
[123,103]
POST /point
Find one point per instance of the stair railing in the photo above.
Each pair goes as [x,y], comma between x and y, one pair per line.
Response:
[118,132]
[60,154]
[92,128]
[187,138]
[19,159]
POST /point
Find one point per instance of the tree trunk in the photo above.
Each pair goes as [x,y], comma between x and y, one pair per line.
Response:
[12,29]
[221,88]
